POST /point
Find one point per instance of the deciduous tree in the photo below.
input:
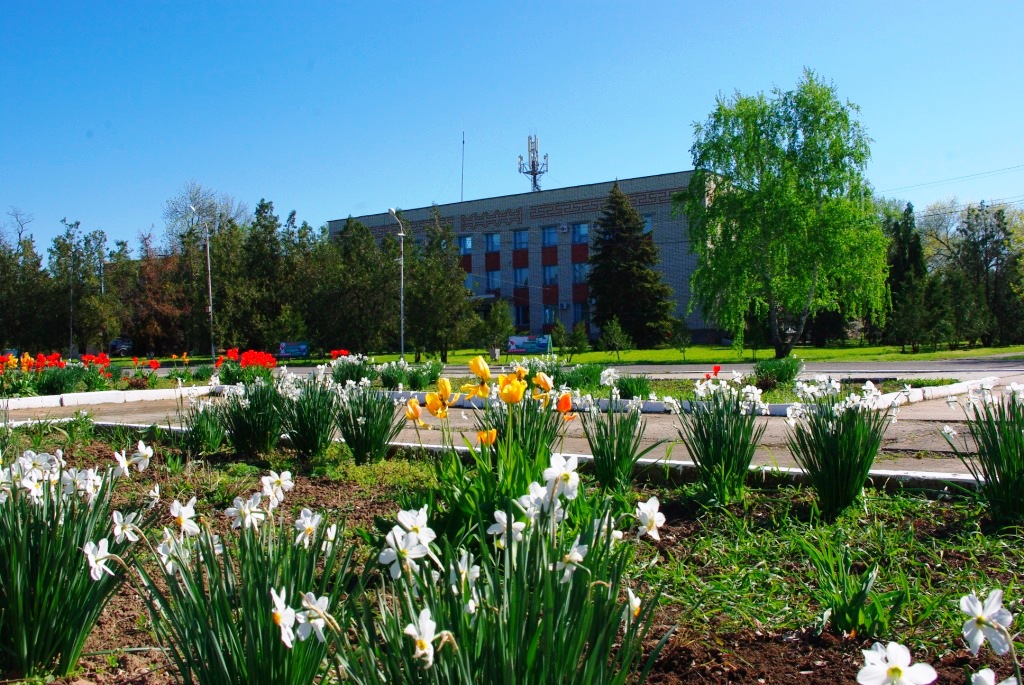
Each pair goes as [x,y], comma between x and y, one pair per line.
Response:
[779,212]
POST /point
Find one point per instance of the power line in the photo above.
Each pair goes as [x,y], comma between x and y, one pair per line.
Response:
[980,174]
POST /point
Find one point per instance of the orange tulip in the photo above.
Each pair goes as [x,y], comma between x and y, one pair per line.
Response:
[487,438]
[564,406]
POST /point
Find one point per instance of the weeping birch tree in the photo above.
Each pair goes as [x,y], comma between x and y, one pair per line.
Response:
[780,215]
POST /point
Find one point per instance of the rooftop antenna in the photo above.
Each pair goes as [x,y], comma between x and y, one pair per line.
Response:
[534,168]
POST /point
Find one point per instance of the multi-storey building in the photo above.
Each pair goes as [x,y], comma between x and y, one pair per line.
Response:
[532,248]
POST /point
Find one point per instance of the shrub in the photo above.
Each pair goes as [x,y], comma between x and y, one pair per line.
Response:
[721,435]
[771,373]
[250,416]
[835,441]
[368,420]
[997,428]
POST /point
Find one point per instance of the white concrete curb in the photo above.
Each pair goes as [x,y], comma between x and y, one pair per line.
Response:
[78,399]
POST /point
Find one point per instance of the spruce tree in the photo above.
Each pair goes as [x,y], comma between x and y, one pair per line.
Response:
[623,281]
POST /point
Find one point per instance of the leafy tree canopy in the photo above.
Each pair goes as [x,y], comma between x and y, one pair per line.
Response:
[779,212]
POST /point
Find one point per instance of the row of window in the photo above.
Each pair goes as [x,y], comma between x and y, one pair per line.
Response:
[580,313]
[521,277]
[521,238]
[580,234]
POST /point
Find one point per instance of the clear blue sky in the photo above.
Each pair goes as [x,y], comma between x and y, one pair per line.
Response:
[331,109]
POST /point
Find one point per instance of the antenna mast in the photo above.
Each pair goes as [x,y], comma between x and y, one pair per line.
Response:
[533,168]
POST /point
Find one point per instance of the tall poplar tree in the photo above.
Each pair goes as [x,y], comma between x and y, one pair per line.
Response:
[623,281]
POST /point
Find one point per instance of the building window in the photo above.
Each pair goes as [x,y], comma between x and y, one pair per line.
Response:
[580,272]
[493,242]
[551,275]
[521,277]
[470,282]
[465,244]
[520,240]
[580,233]
[648,223]
[549,235]
[522,314]
[550,314]
[580,312]
[494,280]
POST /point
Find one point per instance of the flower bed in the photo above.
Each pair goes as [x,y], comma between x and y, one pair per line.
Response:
[761,590]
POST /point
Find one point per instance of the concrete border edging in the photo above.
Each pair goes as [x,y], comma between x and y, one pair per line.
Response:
[80,399]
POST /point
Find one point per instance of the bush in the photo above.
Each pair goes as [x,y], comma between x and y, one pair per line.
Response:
[721,435]
[771,373]
[998,431]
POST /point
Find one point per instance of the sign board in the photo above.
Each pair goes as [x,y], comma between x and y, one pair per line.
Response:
[290,350]
[529,344]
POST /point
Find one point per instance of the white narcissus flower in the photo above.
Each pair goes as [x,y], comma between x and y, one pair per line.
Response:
[328,544]
[314,618]
[571,559]
[124,527]
[561,477]
[143,454]
[987,676]
[401,551]
[122,465]
[246,513]
[154,496]
[415,521]
[649,518]
[97,556]
[305,525]
[501,528]
[608,377]
[890,665]
[283,616]
[423,634]
[632,605]
[986,621]
[948,431]
[276,485]
[183,515]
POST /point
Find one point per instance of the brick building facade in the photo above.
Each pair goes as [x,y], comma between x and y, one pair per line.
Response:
[531,249]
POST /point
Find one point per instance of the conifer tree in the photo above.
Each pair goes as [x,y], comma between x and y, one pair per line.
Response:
[623,281]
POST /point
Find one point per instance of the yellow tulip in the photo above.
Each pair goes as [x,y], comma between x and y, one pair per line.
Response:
[543,381]
[438,402]
[481,389]
[511,389]
[413,412]
[480,369]
[487,438]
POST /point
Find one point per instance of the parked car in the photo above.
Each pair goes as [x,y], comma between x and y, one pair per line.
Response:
[120,347]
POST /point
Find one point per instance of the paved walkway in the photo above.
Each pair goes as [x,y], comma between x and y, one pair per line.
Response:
[913,443]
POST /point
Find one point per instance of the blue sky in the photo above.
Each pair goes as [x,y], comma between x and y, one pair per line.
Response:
[332,109]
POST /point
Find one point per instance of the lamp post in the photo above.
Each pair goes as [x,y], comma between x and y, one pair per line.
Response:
[401,282]
[209,278]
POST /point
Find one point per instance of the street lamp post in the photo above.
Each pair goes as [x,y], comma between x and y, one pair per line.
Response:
[209,278]
[401,282]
